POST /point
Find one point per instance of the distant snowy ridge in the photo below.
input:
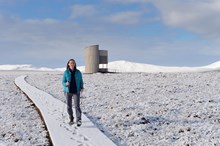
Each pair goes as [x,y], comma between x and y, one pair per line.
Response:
[123,66]
[27,67]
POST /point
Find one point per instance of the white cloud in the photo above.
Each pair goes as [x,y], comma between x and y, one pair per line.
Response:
[129,17]
[41,39]
[46,21]
[201,17]
[37,40]
[45,41]
[83,11]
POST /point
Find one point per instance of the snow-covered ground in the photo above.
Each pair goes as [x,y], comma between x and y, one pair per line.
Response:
[180,108]
[61,133]
[148,109]
[20,123]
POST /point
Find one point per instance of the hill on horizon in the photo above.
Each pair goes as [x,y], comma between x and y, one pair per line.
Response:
[123,66]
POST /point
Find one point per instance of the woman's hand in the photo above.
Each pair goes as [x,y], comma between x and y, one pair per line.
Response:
[67,83]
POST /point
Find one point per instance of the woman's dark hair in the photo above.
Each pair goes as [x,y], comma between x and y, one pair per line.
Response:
[67,65]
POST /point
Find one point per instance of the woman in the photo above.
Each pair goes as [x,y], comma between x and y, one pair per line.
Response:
[73,85]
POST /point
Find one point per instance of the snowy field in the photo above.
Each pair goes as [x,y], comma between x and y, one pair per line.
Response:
[56,120]
[132,109]
[148,109]
[21,125]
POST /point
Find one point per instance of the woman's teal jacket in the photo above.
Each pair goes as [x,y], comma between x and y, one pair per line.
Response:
[67,78]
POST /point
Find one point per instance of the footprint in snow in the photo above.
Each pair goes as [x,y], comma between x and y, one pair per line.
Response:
[78,141]
[83,138]
[86,139]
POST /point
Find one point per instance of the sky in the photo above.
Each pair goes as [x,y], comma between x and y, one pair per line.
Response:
[47,33]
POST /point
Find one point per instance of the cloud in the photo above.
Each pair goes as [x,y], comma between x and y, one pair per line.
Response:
[48,41]
[39,40]
[46,21]
[82,11]
[201,17]
[51,41]
[129,17]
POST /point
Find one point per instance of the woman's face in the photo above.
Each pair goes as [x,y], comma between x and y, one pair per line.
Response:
[71,64]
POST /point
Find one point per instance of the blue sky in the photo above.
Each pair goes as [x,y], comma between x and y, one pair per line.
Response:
[161,32]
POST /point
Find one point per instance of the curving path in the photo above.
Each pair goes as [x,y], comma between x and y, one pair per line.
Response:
[56,119]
